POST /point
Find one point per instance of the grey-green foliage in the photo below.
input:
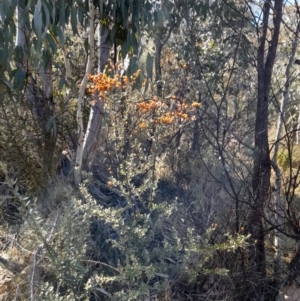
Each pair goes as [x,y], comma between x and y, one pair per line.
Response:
[152,251]
[46,23]
[215,45]
[64,241]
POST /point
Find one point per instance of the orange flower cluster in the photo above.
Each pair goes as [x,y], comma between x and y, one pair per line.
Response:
[180,110]
[102,83]
[143,125]
[148,106]
[196,104]
[169,117]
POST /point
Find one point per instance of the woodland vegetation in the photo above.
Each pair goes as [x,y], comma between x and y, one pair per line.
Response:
[149,150]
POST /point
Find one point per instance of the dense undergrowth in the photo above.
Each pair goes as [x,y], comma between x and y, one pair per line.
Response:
[73,246]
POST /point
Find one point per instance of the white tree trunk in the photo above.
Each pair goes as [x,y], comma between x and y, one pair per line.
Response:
[285,94]
[93,131]
[80,102]
[298,127]
[21,38]
[277,218]
[21,42]
[103,48]
[280,123]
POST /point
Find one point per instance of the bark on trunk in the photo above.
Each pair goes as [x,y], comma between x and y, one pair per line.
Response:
[280,122]
[262,164]
[80,102]
[63,116]
[30,91]
[48,120]
[91,140]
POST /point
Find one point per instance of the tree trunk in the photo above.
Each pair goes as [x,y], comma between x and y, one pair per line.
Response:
[93,131]
[64,113]
[280,123]
[49,121]
[262,164]
[158,50]
[30,90]
[80,102]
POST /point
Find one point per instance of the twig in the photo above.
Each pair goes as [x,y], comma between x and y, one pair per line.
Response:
[102,263]
[35,255]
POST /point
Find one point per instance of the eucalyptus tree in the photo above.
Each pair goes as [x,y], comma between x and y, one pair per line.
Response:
[262,164]
[45,30]
[289,78]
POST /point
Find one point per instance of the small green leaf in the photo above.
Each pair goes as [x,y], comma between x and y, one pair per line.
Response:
[5,86]
[19,78]
[47,20]
[158,18]
[124,10]
[113,32]
[136,8]
[3,56]
[161,275]
[7,12]
[124,49]
[81,14]
[50,123]
[38,19]
[133,65]
[25,16]
[61,83]
[62,8]
[74,19]
[60,35]
[54,127]
[101,8]
[51,42]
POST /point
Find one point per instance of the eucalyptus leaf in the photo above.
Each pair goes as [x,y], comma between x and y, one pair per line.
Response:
[158,18]
[3,56]
[74,19]
[161,275]
[61,83]
[9,10]
[51,42]
[38,19]
[136,8]
[50,123]
[113,32]
[5,86]
[101,8]
[62,20]
[47,20]
[60,35]
[124,11]
[19,79]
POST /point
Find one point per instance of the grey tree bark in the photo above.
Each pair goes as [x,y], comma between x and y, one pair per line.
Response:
[91,141]
[262,163]
[80,102]
[280,122]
